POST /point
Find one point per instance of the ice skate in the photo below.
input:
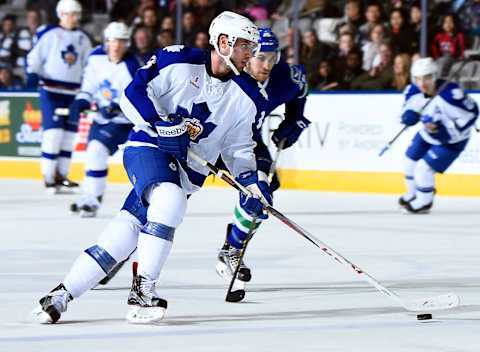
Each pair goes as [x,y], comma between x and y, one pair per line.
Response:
[425,209]
[52,305]
[64,185]
[144,304]
[404,200]
[51,188]
[228,259]
[87,206]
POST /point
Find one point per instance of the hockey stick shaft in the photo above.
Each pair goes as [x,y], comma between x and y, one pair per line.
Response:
[242,254]
[324,247]
[273,166]
[439,90]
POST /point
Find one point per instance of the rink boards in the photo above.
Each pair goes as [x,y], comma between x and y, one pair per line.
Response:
[338,152]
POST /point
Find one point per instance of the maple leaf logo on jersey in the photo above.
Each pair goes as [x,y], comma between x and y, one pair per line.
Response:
[197,125]
[69,55]
[107,91]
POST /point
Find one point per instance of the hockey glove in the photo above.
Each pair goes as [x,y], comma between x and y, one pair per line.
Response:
[435,129]
[172,137]
[289,130]
[76,108]
[110,111]
[410,117]
[260,190]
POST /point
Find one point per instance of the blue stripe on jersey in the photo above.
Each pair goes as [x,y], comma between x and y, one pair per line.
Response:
[132,63]
[45,29]
[177,54]
[141,136]
[449,96]
[55,83]
[410,91]
[195,177]
[98,50]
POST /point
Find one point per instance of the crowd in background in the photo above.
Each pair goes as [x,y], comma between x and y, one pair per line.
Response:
[344,44]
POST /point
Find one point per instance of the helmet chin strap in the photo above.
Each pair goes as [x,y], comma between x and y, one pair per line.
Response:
[226,58]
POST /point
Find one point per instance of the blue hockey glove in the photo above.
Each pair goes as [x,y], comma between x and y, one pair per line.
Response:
[110,111]
[435,129]
[76,108]
[32,81]
[172,137]
[410,117]
[259,189]
[289,130]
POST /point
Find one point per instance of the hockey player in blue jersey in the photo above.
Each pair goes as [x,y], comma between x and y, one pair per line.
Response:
[56,62]
[279,83]
[181,100]
[110,68]
[446,125]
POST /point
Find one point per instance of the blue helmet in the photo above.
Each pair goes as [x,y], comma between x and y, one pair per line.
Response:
[268,40]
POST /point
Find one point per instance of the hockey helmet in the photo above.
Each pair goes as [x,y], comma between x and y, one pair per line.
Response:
[116,30]
[268,40]
[68,6]
[424,67]
[234,26]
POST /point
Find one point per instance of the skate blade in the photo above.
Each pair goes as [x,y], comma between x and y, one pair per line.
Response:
[145,315]
[38,315]
[87,214]
[51,191]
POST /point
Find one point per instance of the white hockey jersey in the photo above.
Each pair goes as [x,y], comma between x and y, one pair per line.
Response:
[104,81]
[452,109]
[58,58]
[221,113]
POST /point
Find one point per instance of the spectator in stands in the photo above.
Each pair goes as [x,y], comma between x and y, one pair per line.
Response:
[189,28]
[8,81]
[401,71]
[380,76]
[150,20]
[401,35]
[469,14]
[416,26]
[205,11]
[353,68]
[324,78]
[7,40]
[165,38]
[287,52]
[449,42]
[26,36]
[312,52]
[371,48]
[168,24]
[353,16]
[373,15]
[142,43]
[201,40]
[345,44]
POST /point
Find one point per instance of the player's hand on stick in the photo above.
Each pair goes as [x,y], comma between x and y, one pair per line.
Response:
[290,130]
[172,137]
[110,111]
[260,194]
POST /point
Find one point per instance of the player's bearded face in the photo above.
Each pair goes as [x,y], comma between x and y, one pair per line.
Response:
[262,64]
[426,84]
[70,20]
[116,49]
[242,52]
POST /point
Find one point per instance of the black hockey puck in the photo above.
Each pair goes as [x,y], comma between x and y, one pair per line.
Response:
[235,296]
[426,316]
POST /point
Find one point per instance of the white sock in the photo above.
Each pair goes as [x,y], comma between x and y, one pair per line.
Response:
[153,252]
[95,166]
[425,181]
[84,274]
[409,169]
[51,142]
[66,148]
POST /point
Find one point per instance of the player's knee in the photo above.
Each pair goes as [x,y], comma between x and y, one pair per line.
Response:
[168,204]
[51,140]
[97,156]
[103,258]
[120,237]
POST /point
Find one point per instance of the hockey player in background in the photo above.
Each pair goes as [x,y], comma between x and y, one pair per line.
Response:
[110,68]
[446,125]
[56,62]
[182,99]
[280,83]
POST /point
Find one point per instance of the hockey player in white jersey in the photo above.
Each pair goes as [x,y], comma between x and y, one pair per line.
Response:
[280,84]
[110,68]
[447,123]
[183,99]
[56,62]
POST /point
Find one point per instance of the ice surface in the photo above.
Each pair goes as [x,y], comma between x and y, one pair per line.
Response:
[299,299]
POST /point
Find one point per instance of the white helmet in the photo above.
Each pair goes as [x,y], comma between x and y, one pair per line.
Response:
[424,67]
[68,6]
[116,30]
[234,26]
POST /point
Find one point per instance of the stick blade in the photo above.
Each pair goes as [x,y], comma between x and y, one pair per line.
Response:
[446,301]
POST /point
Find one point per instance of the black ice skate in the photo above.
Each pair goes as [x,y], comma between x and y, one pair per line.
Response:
[51,188]
[65,185]
[52,305]
[422,210]
[402,202]
[87,206]
[228,259]
[144,304]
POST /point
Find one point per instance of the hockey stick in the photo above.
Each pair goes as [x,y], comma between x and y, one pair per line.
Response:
[273,166]
[439,90]
[446,301]
[238,295]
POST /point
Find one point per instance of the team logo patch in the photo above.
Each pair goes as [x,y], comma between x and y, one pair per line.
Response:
[298,76]
[194,128]
[108,93]
[69,55]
